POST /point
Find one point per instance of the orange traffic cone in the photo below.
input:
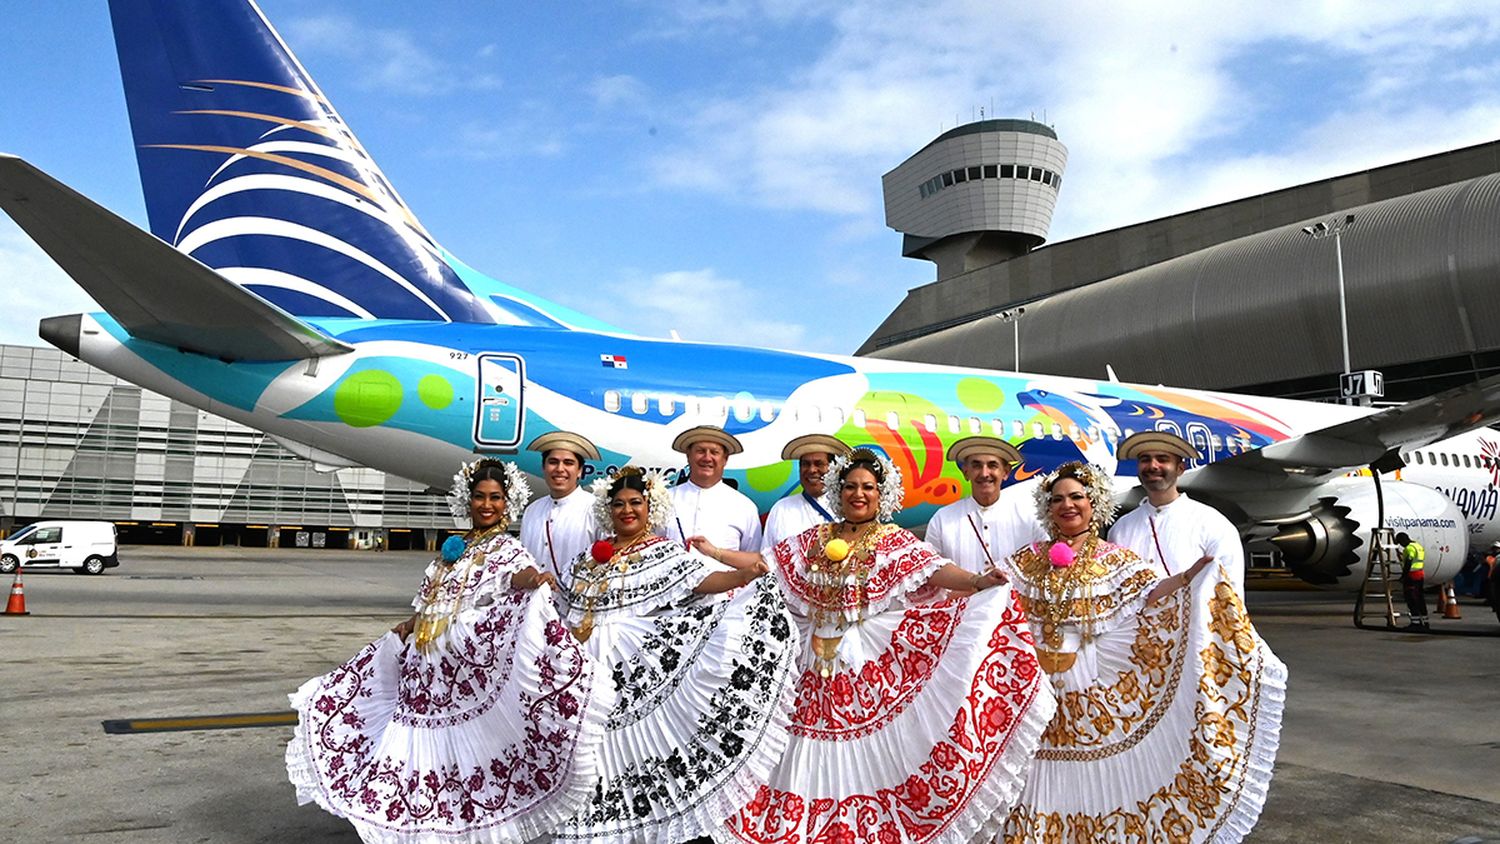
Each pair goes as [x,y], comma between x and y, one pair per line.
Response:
[1450,602]
[17,603]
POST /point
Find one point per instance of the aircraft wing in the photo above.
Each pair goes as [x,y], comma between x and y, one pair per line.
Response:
[1374,440]
[156,292]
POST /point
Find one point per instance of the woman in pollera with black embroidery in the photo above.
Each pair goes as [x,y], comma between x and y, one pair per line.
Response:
[1169,703]
[478,719]
[917,713]
[702,657]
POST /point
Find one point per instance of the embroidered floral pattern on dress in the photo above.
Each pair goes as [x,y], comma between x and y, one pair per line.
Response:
[923,805]
[1199,686]
[850,704]
[903,557]
[928,738]
[703,689]
[411,745]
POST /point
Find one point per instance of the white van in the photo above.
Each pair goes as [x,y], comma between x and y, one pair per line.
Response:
[81,546]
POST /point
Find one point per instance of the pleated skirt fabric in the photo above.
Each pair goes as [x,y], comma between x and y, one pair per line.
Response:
[703,695]
[1167,731]
[929,740]
[491,736]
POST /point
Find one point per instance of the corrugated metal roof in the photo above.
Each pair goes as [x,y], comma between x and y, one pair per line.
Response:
[1422,274]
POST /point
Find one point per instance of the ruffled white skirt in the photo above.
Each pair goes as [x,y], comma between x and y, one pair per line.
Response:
[704,689]
[929,740]
[492,736]
[1167,731]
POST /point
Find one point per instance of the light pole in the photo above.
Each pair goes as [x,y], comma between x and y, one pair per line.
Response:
[1013,316]
[1335,227]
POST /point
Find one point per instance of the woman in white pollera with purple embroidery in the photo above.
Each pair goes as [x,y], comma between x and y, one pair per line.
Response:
[477,719]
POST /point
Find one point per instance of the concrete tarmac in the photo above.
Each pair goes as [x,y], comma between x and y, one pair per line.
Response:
[1388,736]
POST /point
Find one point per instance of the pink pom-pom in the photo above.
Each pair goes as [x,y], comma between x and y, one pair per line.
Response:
[1061,554]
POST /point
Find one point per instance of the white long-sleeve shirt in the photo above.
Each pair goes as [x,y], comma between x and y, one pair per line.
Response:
[788,517]
[720,512]
[557,530]
[975,537]
[1185,531]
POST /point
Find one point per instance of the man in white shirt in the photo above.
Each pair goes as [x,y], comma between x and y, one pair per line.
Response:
[708,514]
[557,527]
[979,531]
[1168,528]
[798,512]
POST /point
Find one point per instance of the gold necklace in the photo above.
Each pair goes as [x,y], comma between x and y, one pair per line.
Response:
[431,625]
[828,585]
[621,563]
[1059,588]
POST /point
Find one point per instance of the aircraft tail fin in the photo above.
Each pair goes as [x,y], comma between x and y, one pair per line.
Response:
[247,167]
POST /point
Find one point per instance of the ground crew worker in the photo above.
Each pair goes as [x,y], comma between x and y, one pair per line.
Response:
[1413,580]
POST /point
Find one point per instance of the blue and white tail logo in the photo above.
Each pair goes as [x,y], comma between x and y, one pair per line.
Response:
[247,167]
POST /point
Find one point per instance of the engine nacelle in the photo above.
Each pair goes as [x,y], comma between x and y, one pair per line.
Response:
[1331,547]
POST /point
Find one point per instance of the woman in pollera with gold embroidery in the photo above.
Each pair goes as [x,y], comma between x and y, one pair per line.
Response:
[917,714]
[478,719]
[1169,704]
[702,659]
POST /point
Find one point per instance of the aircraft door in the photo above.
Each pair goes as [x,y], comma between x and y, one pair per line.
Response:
[499,408]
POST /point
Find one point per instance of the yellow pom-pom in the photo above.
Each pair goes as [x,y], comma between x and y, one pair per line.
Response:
[836,550]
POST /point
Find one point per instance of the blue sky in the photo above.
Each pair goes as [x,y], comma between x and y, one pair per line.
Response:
[714,167]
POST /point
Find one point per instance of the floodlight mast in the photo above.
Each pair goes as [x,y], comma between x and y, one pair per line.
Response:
[1318,231]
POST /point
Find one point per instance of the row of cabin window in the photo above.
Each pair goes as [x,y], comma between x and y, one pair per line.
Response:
[989,171]
[720,408]
[1441,459]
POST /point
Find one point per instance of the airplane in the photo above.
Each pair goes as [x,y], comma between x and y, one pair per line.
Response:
[285,285]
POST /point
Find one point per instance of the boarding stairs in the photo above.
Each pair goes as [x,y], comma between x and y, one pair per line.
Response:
[1382,578]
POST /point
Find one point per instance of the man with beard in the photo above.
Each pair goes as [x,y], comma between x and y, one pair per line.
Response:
[709,515]
[1169,528]
[559,526]
[979,531]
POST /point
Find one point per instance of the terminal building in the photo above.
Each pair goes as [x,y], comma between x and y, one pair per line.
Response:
[78,443]
[1238,296]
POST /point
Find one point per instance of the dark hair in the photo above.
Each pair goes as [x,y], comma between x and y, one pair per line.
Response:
[488,470]
[629,478]
[863,458]
[1403,539]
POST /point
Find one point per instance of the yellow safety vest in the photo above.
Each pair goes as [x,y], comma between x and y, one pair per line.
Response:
[1416,556]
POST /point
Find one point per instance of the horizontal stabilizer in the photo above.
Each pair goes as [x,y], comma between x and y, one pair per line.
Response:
[154,291]
[1372,440]
[323,461]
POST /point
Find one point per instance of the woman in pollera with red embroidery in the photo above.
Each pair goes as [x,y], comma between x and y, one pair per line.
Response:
[917,714]
[703,662]
[1169,704]
[478,719]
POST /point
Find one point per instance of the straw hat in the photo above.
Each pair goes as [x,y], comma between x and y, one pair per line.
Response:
[576,443]
[813,444]
[968,447]
[1159,441]
[710,433]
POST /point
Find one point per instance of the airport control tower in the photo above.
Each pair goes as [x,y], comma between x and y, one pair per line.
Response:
[978,194]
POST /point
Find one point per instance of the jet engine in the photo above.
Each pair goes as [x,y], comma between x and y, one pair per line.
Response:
[1331,545]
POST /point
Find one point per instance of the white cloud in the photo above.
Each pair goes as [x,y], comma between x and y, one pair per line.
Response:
[389,60]
[33,287]
[620,90]
[704,306]
[1156,103]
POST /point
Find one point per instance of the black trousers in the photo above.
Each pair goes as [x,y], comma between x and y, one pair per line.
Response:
[1416,600]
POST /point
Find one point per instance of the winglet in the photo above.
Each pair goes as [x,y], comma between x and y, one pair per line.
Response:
[154,291]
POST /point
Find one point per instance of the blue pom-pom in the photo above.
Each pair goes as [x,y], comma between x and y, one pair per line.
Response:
[453,548]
